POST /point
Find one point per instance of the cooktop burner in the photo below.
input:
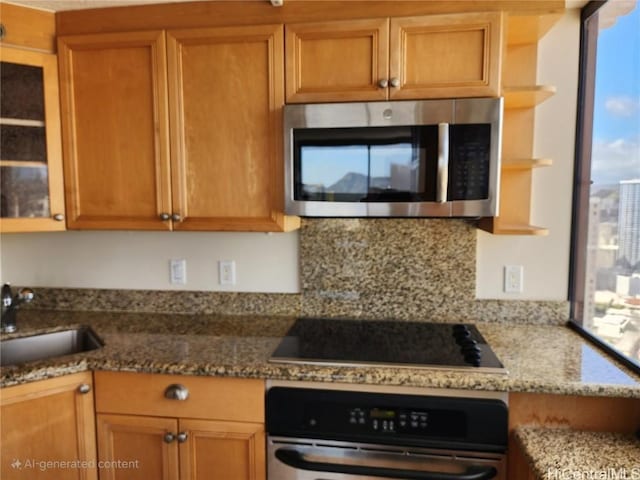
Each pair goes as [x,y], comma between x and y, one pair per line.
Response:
[339,342]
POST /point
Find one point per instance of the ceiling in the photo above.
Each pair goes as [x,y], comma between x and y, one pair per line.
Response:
[60,5]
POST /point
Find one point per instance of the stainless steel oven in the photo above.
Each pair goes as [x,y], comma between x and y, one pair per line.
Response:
[326,434]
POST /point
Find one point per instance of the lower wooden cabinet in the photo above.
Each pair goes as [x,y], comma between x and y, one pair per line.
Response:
[48,430]
[223,450]
[134,448]
[518,464]
[215,433]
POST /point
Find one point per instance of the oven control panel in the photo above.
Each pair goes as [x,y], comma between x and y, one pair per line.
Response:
[387,420]
[379,421]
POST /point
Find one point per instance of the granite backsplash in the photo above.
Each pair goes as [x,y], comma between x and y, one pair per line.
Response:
[405,269]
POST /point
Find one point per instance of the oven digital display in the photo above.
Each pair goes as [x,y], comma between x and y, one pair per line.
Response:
[382,414]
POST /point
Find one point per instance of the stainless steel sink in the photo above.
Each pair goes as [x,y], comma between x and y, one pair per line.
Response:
[48,345]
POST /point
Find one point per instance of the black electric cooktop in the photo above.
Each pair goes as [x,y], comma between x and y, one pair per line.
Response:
[395,343]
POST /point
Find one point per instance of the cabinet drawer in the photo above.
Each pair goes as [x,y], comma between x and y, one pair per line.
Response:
[214,398]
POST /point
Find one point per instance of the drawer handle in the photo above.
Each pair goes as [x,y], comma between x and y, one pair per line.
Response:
[84,388]
[182,437]
[169,437]
[176,391]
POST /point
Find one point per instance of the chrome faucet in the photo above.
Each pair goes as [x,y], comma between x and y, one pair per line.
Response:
[10,305]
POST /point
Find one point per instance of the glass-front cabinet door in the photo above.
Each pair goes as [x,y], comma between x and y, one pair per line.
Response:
[31,185]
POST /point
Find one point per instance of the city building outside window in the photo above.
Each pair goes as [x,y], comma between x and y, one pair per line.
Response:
[605,287]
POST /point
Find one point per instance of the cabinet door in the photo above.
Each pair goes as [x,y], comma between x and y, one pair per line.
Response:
[115,130]
[446,56]
[222,450]
[226,98]
[26,27]
[337,61]
[134,448]
[48,421]
[31,190]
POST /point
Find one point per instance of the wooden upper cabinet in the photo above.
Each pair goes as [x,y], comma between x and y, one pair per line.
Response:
[333,61]
[437,56]
[26,27]
[115,130]
[226,96]
[446,56]
[31,184]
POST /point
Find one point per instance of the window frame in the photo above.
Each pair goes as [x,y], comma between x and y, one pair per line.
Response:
[582,180]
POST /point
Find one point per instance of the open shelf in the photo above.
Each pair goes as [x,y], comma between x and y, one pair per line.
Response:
[522,94]
[527,96]
[526,163]
[530,28]
[494,226]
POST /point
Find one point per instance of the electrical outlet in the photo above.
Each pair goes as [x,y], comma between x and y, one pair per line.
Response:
[227,272]
[178,272]
[513,278]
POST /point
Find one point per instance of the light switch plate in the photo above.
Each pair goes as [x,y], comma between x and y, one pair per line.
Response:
[227,272]
[513,278]
[178,271]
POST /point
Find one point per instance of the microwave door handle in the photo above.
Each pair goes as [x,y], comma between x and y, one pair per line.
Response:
[295,459]
[443,162]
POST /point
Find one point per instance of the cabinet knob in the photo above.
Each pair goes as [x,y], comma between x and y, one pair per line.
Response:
[58,217]
[176,391]
[182,437]
[383,83]
[176,217]
[169,437]
[164,217]
[3,31]
[84,388]
[395,82]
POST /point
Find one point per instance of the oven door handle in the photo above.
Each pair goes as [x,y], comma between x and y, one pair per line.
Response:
[295,459]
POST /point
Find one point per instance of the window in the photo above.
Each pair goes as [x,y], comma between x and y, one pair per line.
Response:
[605,286]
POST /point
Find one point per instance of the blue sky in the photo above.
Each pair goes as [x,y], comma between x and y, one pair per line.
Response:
[616,129]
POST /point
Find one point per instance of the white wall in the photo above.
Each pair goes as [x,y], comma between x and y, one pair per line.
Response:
[140,260]
[545,259]
[269,263]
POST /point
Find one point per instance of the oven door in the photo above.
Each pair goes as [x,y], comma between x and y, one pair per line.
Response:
[302,459]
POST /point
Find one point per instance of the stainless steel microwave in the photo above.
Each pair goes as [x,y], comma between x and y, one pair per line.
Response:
[427,158]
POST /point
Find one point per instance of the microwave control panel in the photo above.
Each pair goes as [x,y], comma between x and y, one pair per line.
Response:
[469,162]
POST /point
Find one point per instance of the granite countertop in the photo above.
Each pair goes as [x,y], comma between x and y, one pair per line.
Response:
[541,359]
[566,453]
